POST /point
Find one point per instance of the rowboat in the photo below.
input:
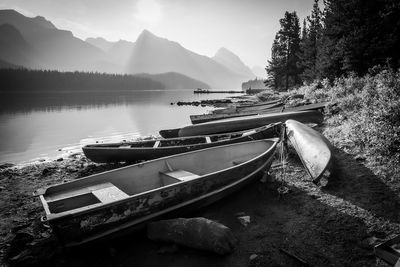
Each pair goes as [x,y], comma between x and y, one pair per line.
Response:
[249,122]
[125,199]
[248,108]
[313,148]
[196,119]
[153,149]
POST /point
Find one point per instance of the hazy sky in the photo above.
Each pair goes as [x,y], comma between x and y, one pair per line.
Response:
[246,27]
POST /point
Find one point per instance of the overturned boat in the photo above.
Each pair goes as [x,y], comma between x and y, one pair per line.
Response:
[106,204]
[313,148]
[153,149]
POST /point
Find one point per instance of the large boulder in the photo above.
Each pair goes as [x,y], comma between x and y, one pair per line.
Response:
[199,233]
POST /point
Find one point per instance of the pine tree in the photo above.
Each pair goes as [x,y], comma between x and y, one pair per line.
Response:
[282,69]
[310,45]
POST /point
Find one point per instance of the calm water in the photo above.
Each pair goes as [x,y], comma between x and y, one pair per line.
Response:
[49,126]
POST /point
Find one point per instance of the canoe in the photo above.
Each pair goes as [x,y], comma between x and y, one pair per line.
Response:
[196,119]
[248,108]
[249,122]
[153,149]
[313,148]
[123,200]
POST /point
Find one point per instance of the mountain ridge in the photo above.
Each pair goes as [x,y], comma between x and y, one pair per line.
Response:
[57,49]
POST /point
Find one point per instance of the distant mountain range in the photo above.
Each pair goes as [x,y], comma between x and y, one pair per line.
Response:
[36,43]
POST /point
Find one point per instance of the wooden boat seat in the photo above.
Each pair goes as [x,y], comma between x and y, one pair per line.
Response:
[85,198]
[105,192]
[175,176]
[156,144]
[109,194]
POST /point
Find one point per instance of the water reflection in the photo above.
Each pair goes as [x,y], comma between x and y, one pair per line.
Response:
[42,125]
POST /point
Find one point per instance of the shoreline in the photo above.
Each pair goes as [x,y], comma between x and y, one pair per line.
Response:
[334,225]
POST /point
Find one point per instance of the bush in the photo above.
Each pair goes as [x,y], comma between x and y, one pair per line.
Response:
[369,117]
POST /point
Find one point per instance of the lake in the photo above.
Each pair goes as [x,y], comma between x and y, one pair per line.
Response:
[49,126]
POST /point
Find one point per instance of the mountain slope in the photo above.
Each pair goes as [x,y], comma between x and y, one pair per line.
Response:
[58,49]
[152,54]
[173,80]
[100,42]
[232,62]
[14,49]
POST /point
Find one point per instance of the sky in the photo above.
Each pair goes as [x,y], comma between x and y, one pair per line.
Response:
[246,27]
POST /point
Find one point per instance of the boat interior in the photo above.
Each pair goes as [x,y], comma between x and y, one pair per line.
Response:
[122,183]
[180,141]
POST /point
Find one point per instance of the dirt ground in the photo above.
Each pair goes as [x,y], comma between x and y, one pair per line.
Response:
[334,225]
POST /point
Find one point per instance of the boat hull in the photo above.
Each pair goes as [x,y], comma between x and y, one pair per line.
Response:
[129,214]
[249,122]
[313,148]
[112,153]
[197,119]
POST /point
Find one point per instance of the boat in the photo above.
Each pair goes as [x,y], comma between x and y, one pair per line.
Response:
[196,119]
[119,201]
[313,148]
[249,108]
[152,149]
[249,122]
[169,133]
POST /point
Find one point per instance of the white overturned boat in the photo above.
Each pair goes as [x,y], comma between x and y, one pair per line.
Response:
[313,148]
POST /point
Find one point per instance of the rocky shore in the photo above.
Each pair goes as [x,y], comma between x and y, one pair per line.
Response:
[289,220]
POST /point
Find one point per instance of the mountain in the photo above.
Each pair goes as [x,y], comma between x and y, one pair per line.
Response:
[152,54]
[36,43]
[100,42]
[173,80]
[56,49]
[232,62]
[259,72]
[14,48]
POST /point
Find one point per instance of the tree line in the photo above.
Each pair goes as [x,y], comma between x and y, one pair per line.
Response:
[25,81]
[346,36]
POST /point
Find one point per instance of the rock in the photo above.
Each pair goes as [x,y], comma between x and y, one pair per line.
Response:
[45,171]
[60,159]
[253,257]
[244,220]
[199,233]
[6,165]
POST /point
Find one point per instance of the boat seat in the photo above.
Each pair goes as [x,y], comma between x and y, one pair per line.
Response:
[156,144]
[105,192]
[109,194]
[208,139]
[175,176]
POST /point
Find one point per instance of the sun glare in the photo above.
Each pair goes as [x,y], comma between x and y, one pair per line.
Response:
[148,11]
